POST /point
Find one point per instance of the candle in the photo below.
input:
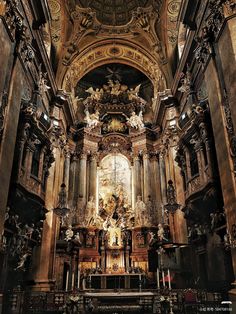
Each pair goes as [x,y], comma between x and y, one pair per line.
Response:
[67,279]
[78,283]
[73,281]
[158,279]
[163,278]
[169,283]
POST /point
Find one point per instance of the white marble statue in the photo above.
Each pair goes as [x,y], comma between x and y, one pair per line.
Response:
[107,223]
[95,94]
[92,120]
[69,233]
[133,93]
[90,211]
[136,121]
[161,233]
[140,212]
[22,261]
[77,238]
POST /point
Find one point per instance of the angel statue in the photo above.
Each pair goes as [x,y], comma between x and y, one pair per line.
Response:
[95,94]
[133,93]
[91,120]
[136,121]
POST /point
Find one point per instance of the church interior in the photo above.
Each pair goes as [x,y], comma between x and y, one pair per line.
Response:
[117,156]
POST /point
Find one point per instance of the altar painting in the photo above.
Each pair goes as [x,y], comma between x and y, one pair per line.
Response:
[114,184]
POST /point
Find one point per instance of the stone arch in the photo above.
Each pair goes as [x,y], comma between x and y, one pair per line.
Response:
[113,52]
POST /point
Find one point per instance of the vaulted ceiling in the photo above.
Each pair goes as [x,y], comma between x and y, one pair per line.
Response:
[113,12]
[87,34]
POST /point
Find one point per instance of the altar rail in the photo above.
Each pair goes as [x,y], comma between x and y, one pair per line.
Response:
[181,301]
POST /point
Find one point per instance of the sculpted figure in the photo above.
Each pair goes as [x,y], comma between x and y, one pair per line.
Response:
[22,261]
[140,210]
[115,87]
[95,94]
[69,233]
[161,233]
[90,211]
[136,121]
[133,93]
[91,120]
[77,238]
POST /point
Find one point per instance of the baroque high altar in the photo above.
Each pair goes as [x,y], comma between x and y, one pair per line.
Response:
[117,156]
[114,203]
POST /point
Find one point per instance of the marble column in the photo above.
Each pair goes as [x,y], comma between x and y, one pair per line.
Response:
[146,177]
[82,175]
[163,178]
[82,188]
[137,190]
[155,186]
[73,189]
[93,176]
[66,174]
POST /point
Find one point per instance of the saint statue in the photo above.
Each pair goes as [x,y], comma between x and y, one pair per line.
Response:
[90,211]
[136,121]
[161,233]
[69,233]
[140,211]
[92,120]
[115,239]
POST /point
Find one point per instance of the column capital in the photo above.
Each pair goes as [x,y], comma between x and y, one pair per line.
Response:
[136,157]
[147,154]
[154,155]
[67,151]
[93,156]
[82,154]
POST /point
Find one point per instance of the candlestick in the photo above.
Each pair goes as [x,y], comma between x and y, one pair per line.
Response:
[169,283]
[163,279]
[158,279]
